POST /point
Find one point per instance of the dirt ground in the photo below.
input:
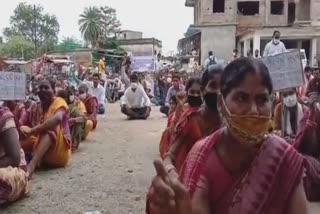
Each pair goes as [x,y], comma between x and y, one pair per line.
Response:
[110,173]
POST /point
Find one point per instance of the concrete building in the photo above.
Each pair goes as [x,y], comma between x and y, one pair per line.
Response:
[143,51]
[249,24]
[133,42]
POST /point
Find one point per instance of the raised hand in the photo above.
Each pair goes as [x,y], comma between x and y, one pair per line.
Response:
[169,194]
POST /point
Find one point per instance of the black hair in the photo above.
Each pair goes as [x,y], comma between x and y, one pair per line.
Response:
[174,99]
[210,53]
[234,74]
[235,50]
[307,68]
[210,73]
[276,31]
[192,81]
[134,77]
[96,75]
[63,94]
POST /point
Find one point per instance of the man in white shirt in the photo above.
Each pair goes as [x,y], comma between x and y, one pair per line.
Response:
[99,92]
[275,46]
[135,103]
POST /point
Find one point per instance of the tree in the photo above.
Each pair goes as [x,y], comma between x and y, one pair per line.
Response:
[97,24]
[17,47]
[111,25]
[90,25]
[68,43]
[35,25]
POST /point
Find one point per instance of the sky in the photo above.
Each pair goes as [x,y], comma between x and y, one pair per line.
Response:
[166,20]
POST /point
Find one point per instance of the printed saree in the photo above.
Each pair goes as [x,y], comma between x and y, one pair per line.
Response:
[13,180]
[264,188]
[76,129]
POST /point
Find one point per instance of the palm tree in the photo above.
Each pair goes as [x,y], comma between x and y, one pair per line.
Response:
[90,24]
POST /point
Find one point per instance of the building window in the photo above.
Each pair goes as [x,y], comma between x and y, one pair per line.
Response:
[277,7]
[218,6]
[248,8]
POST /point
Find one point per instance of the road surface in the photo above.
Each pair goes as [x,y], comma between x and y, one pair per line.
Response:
[110,173]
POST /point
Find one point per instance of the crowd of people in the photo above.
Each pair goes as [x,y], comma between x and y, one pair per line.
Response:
[233,145]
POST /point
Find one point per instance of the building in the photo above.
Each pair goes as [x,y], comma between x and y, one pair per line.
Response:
[248,25]
[142,50]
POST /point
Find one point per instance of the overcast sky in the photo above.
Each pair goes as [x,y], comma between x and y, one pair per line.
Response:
[166,20]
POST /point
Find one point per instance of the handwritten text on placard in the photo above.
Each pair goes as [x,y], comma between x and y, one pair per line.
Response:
[285,70]
[12,86]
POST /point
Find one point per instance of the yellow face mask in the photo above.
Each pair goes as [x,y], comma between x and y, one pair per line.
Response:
[249,129]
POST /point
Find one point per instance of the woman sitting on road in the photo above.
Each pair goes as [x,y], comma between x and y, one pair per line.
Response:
[13,166]
[46,129]
[77,120]
[185,105]
[240,168]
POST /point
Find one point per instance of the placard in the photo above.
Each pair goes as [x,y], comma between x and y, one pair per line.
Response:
[285,69]
[12,86]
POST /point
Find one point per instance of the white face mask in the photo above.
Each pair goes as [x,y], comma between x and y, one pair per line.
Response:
[134,85]
[276,41]
[1,103]
[71,98]
[83,96]
[290,101]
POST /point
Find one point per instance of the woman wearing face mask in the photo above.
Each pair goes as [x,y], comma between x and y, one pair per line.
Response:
[91,104]
[77,120]
[186,105]
[288,115]
[47,130]
[240,168]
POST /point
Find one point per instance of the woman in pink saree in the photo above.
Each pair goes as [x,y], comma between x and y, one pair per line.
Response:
[241,168]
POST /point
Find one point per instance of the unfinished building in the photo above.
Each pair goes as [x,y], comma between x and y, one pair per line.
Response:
[248,25]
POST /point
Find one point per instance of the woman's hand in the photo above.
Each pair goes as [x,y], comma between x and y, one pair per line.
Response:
[169,195]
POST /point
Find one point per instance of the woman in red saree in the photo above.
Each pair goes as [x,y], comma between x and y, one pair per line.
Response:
[307,143]
[197,122]
[18,110]
[240,168]
[91,104]
[194,101]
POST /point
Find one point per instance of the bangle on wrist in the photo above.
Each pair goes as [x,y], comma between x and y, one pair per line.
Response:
[170,167]
[312,123]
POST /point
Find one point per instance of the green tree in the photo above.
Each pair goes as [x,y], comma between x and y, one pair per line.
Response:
[18,47]
[68,43]
[111,25]
[90,25]
[35,25]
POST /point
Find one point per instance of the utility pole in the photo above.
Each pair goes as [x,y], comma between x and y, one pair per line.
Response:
[35,29]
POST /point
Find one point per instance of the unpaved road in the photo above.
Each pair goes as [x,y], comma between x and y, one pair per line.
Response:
[110,173]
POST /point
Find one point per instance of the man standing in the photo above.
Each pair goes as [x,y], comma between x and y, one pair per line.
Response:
[211,60]
[159,63]
[99,92]
[275,46]
[135,103]
[176,87]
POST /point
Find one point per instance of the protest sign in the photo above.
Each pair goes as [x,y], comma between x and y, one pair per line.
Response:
[12,86]
[285,69]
